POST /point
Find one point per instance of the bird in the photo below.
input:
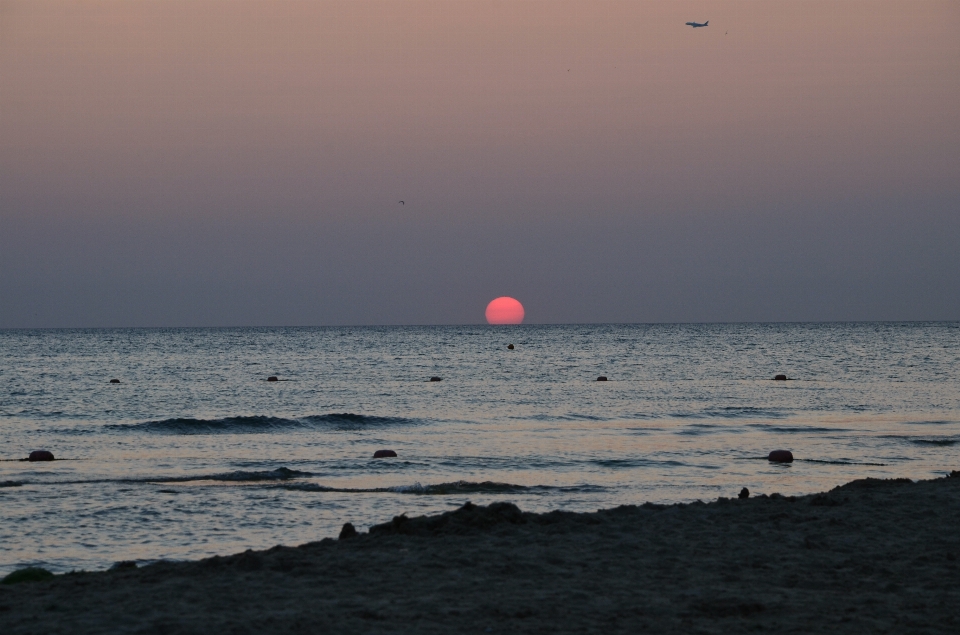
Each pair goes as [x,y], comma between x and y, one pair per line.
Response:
[401,202]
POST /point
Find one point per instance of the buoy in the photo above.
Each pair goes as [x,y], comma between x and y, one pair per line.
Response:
[114,381]
[744,493]
[510,346]
[436,379]
[40,455]
[348,531]
[781,456]
[384,454]
[602,378]
[780,378]
[272,378]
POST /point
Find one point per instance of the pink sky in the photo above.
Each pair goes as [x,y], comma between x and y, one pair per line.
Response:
[240,162]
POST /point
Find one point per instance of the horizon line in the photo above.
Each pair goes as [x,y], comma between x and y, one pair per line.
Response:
[469,325]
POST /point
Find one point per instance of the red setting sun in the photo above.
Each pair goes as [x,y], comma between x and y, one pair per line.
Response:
[504,310]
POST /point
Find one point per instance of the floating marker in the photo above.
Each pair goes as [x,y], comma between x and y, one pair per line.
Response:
[781,456]
[510,346]
[780,378]
[114,381]
[384,454]
[40,455]
[436,379]
[602,378]
[272,378]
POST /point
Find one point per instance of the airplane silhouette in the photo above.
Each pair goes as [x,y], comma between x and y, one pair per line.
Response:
[697,25]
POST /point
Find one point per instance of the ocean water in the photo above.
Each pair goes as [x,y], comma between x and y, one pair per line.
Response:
[194,453]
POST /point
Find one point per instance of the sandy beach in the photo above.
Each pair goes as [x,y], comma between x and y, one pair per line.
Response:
[871,556]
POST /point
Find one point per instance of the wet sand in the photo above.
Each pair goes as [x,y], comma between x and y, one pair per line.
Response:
[871,556]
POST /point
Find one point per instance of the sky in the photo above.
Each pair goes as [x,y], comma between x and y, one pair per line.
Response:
[241,163]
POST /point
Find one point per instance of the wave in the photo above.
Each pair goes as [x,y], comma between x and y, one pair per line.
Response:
[279,478]
[350,420]
[638,462]
[702,428]
[258,424]
[239,476]
[941,441]
[796,429]
[444,489]
[460,487]
[934,422]
[279,474]
[732,412]
[572,416]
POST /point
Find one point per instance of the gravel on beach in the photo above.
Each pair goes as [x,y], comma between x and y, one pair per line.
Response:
[870,556]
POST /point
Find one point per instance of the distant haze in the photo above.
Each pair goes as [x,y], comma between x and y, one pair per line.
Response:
[190,163]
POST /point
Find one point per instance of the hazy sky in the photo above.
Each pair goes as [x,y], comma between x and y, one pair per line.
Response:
[191,163]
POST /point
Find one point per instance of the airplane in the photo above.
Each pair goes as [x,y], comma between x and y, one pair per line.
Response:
[697,25]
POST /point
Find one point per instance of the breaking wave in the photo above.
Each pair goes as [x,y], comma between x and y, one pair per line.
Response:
[259,424]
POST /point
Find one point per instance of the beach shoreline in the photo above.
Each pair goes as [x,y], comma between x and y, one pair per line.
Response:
[868,556]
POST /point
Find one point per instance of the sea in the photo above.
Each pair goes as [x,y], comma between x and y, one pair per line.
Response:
[194,453]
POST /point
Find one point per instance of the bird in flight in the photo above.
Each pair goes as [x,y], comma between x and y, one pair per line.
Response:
[697,25]
[401,202]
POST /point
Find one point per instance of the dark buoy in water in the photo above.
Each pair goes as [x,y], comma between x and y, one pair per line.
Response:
[436,379]
[40,455]
[510,346]
[384,454]
[744,493]
[602,378]
[114,381]
[780,378]
[348,531]
[272,378]
[781,456]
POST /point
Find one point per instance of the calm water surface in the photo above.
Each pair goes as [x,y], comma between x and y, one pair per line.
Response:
[194,453]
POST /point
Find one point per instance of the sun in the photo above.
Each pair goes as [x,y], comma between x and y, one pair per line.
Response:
[504,310]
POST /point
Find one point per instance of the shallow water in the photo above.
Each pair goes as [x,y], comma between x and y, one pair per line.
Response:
[194,453]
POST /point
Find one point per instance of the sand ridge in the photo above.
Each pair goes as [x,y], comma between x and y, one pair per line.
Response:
[870,556]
